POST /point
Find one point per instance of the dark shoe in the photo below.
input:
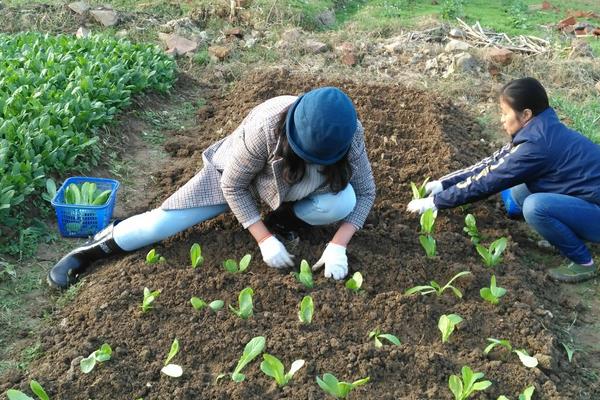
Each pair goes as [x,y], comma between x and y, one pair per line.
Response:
[65,272]
[572,273]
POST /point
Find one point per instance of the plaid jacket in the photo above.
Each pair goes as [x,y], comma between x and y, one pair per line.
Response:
[242,167]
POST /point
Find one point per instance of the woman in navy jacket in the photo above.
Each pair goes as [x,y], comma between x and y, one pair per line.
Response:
[551,171]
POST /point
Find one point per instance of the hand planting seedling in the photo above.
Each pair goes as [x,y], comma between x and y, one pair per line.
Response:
[526,395]
[463,389]
[149,297]
[196,255]
[493,293]
[337,389]
[418,192]
[272,367]
[493,255]
[306,310]
[446,325]
[245,304]
[102,354]
[253,348]
[526,359]
[153,257]
[435,287]
[355,282]
[471,229]
[172,370]
[199,304]
[497,342]
[86,194]
[231,265]
[36,388]
[305,275]
[376,335]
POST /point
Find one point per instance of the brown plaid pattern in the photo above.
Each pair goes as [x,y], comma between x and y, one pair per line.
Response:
[242,167]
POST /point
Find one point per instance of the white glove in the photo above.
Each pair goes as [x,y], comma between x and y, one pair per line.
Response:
[335,260]
[433,187]
[421,205]
[275,254]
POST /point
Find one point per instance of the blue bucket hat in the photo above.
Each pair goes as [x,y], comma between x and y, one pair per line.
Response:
[320,125]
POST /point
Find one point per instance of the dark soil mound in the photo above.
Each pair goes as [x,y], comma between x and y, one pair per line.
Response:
[410,135]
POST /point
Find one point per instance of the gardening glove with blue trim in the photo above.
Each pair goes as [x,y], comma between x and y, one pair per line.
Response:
[434,187]
[421,205]
[275,254]
[335,261]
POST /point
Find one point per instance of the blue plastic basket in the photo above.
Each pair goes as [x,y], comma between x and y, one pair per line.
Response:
[76,220]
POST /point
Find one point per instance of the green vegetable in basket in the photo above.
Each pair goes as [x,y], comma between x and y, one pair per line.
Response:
[86,194]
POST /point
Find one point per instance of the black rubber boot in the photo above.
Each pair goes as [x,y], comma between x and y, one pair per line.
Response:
[284,222]
[102,245]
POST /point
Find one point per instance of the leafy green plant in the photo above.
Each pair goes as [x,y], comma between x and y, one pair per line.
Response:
[526,395]
[172,370]
[338,389]
[272,367]
[355,283]
[153,257]
[196,255]
[306,310]
[470,229]
[452,9]
[427,221]
[101,355]
[231,265]
[50,190]
[435,287]
[245,303]
[569,349]
[426,239]
[446,325]
[493,255]
[199,304]
[86,194]
[463,389]
[429,245]
[497,342]
[149,297]
[526,359]
[418,192]
[36,388]
[305,275]
[493,293]
[253,348]
[376,335]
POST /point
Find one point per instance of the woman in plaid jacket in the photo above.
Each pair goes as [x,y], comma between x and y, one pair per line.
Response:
[304,156]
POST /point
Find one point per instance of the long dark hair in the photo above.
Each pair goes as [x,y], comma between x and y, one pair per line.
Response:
[524,93]
[337,175]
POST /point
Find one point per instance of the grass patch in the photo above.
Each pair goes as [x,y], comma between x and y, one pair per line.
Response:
[583,116]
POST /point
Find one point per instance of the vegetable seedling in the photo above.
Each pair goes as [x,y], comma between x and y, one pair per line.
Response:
[253,348]
[305,275]
[245,303]
[493,293]
[429,245]
[149,297]
[306,310]
[497,342]
[153,257]
[470,229]
[337,389]
[526,359]
[101,355]
[569,349]
[231,265]
[36,388]
[199,304]
[526,395]
[463,389]
[493,255]
[272,367]
[435,287]
[376,335]
[196,255]
[355,283]
[418,192]
[427,221]
[172,370]
[446,325]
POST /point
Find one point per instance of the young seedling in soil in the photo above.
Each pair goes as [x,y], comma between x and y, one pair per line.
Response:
[435,287]
[337,389]
[497,342]
[305,275]
[172,370]
[272,367]
[245,304]
[493,255]
[355,283]
[569,349]
[463,389]
[149,297]
[101,355]
[231,265]
[36,388]
[199,304]
[526,395]
[493,293]
[153,257]
[418,192]
[446,325]
[526,359]
[196,255]
[306,310]
[253,348]
[470,229]
[376,335]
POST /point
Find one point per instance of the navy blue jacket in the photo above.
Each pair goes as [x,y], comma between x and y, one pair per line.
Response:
[544,154]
